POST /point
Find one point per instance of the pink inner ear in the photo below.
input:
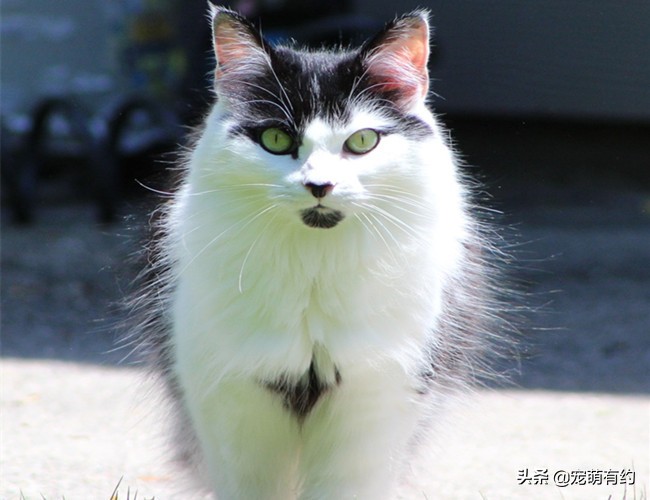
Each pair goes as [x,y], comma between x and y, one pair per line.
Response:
[235,46]
[418,48]
[400,64]
[228,44]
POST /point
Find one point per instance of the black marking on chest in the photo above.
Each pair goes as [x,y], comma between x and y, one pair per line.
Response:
[301,396]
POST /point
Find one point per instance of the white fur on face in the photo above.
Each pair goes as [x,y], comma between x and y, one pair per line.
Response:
[400,170]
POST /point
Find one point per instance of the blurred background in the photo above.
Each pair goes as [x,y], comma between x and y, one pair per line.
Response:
[549,103]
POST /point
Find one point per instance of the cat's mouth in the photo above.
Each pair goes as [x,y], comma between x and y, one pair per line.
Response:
[321,217]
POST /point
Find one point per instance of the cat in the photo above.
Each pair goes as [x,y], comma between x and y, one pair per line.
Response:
[321,285]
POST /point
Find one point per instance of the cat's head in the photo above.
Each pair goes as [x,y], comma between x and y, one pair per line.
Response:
[329,134]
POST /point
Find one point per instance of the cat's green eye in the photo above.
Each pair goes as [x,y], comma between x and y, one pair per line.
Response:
[276,141]
[362,141]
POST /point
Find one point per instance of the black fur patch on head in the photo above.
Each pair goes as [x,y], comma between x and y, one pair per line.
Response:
[299,86]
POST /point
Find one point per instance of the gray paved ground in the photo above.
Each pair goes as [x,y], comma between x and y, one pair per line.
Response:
[74,420]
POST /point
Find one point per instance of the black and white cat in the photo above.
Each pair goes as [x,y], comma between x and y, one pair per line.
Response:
[321,286]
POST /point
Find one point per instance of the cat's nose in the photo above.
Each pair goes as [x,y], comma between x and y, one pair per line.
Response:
[319,190]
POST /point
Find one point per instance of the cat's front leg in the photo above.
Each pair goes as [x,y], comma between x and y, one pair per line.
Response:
[357,442]
[248,441]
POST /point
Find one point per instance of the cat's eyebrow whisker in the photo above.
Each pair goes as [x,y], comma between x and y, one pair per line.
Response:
[259,87]
[286,113]
[285,102]
[360,96]
[281,87]
[355,84]
[357,81]
[266,101]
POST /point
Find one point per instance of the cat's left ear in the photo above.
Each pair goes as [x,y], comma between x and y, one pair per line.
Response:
[396,59]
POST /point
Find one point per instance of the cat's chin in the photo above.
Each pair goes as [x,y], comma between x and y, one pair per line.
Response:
[321,217]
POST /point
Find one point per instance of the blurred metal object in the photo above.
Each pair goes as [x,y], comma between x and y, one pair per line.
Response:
[58,139]
[137,132]
[99,155]
[18,179]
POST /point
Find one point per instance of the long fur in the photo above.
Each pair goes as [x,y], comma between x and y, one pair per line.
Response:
[310,362]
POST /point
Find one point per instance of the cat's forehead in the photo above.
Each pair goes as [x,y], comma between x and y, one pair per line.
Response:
[319,130]
[318,84]
[302,88]
[298,86]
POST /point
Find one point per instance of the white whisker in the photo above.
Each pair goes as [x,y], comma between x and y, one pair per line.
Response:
[281,107]
[224,210]
[377,232]
[397,202]
[284,103]
[248,253]
[234,187]
[396,221]
[281,87]
[399,191]
[154,190]
[243,224]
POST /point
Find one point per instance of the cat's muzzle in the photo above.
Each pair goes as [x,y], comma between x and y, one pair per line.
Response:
[321,217]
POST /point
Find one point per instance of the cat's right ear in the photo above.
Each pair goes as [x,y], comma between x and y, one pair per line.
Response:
[238,47]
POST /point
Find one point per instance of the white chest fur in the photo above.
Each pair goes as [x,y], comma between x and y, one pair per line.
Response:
[258,301]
